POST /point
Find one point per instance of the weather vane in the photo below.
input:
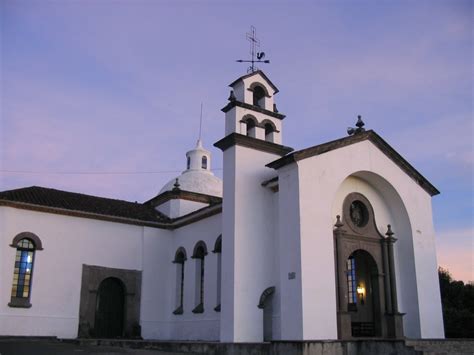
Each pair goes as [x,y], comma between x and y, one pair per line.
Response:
[254,43]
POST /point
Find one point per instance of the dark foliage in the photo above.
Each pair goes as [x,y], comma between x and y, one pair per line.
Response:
[457,299]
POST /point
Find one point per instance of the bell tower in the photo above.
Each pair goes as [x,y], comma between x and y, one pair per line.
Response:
[252,111]
[253,137]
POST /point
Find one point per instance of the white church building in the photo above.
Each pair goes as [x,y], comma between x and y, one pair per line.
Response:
[335,241]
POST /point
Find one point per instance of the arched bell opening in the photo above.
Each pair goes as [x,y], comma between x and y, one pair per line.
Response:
[250,126]
[259,95]
[363,294]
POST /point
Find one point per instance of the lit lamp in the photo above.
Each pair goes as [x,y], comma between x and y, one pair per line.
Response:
[361,292]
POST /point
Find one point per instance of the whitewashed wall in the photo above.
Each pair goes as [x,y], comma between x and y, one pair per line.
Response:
[321,184]
[248,244]
[290,254]
[190,326]
[68,243]
[157,274]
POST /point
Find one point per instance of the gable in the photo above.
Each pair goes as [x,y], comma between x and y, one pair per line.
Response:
[259,73]
[371,136]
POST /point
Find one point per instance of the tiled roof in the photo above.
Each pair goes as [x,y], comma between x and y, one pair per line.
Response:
[75,202]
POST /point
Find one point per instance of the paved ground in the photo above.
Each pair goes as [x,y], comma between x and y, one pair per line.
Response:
[51,347]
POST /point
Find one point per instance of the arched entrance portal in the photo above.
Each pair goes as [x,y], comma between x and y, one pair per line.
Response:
[365,274]
[363,294]
[109,315]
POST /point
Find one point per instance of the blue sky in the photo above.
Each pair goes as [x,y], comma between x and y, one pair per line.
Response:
[100,87]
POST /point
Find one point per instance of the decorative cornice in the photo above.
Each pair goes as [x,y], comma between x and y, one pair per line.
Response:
[250,142]
[232,104]
[356,138]
[183,195]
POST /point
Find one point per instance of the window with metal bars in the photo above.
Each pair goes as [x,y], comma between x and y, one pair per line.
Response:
[351,280]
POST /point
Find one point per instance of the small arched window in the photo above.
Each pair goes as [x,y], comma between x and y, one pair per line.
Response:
[218,251]
[200,251]
[26,245]
[188,164]
[259,96]
[179,260]
[204,162]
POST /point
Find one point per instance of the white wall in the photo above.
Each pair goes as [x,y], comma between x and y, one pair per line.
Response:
[157,275]
[321,189]
[176,207]
[290,254]
[190,326]
[68,243]
[248,242]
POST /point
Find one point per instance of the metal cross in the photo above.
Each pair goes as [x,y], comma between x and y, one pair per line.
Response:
[254,43]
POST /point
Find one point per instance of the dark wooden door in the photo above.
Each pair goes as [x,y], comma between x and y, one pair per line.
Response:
[110,309]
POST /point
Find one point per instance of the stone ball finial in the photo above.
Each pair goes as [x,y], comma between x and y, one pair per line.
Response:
[232,96]
[338,224]
[389,231]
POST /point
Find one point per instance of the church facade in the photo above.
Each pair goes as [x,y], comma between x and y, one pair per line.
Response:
[335,241]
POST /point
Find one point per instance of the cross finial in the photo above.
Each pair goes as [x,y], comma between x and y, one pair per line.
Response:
[254,43]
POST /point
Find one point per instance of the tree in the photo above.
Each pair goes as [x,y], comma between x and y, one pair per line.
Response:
[457,300]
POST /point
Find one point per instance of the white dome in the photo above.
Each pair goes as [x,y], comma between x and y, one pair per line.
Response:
[198,176]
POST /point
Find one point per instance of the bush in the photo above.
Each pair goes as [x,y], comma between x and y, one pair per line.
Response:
[458,306]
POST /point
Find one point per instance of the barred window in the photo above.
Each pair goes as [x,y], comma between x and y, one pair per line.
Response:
[351,280]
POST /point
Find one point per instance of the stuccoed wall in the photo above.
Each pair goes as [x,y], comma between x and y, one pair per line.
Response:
[321,183]
[289,254]
[156,276]
[248,243]
[191,326]
[68,243]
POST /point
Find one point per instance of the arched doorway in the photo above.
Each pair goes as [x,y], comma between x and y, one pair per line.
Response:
[109,315]
[365,274]
[363,294]
[266,303]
